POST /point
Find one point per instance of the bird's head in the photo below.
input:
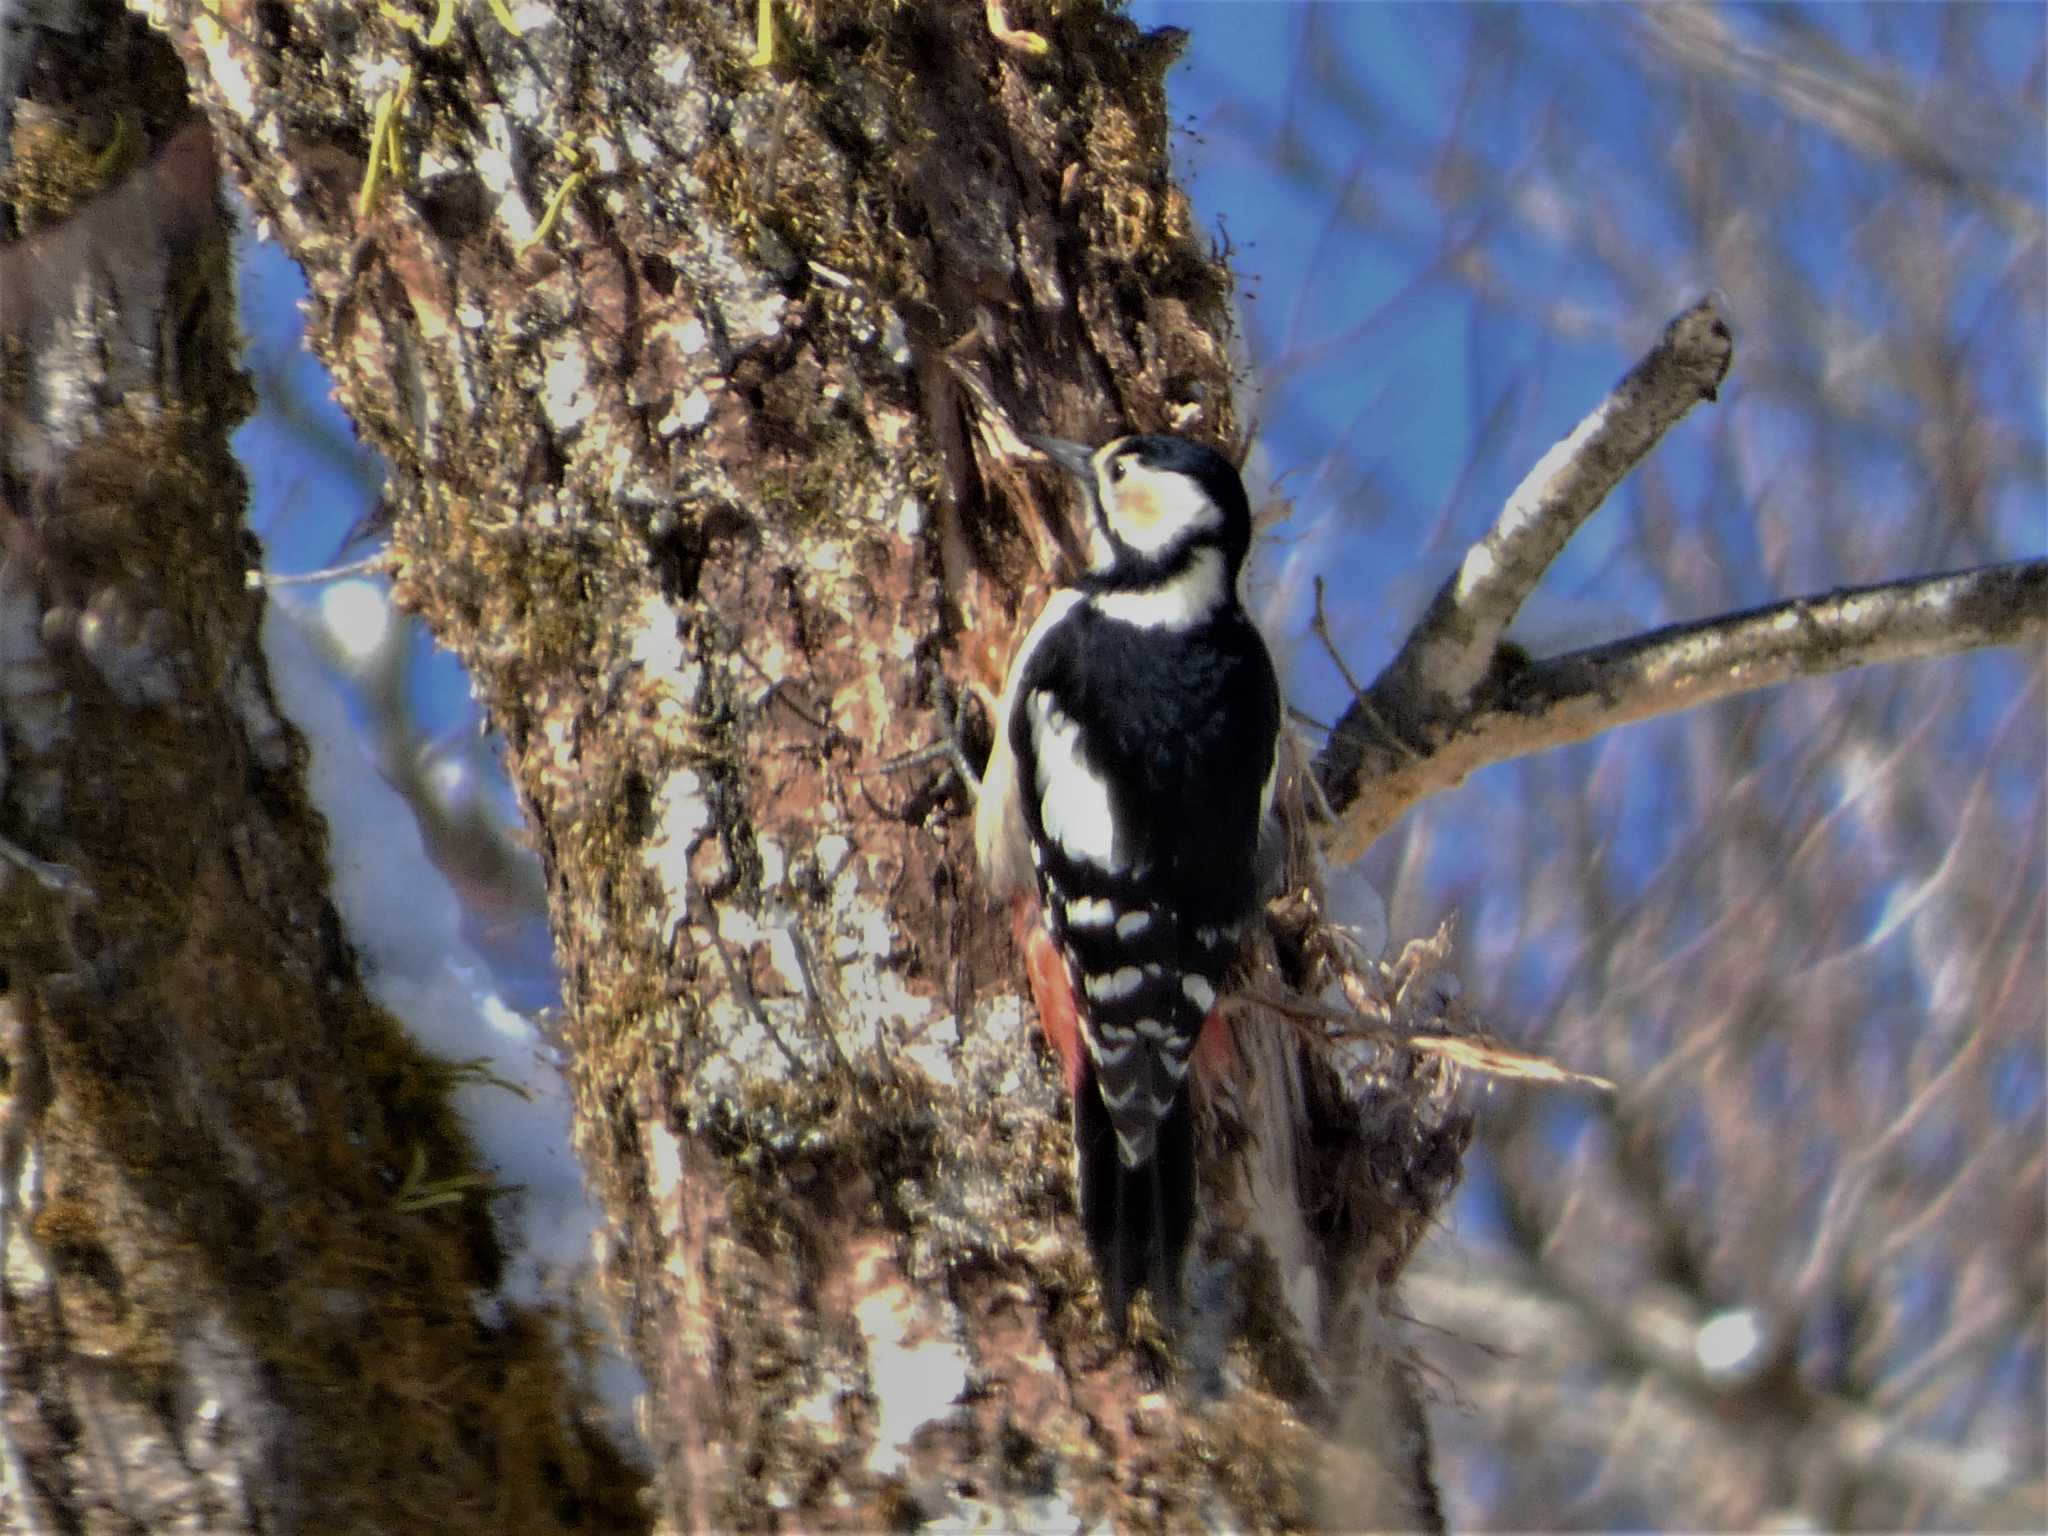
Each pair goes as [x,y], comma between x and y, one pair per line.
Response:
[1155,505]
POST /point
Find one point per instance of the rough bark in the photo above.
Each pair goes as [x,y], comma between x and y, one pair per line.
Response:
[691,374]
[215,1313]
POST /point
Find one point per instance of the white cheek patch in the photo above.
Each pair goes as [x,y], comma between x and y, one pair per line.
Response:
[1135,515]
[1073,800]
[1151,511]
[1101,553]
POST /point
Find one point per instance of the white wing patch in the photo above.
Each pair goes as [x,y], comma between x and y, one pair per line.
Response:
[1073,800]
[1001,841]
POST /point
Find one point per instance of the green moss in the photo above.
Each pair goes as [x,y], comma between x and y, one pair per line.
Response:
[58,167]
[345,1288]
[14,371]
[793,1144]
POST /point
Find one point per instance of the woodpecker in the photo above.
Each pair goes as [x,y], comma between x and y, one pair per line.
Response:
[1127,812]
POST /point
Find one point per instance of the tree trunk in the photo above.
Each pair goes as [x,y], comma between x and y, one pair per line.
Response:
[691,354]
[214,1313]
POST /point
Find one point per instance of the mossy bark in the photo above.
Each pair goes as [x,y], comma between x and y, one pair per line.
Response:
[214,1315]
[691,372]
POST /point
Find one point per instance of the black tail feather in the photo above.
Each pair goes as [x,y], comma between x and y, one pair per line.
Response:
[1137,1220]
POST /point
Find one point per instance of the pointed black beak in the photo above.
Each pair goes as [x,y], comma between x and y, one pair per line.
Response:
[1075,459]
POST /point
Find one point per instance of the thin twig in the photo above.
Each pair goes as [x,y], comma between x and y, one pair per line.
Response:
[378,564]
[1448,653]
[814,998]
[1571,698]
[1320,628]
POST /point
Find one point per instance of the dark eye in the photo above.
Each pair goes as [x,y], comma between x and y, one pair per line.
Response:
[1116,469]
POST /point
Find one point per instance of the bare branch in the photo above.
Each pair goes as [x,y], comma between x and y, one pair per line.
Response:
[1457,698]
[1536,705]
[1451,648]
